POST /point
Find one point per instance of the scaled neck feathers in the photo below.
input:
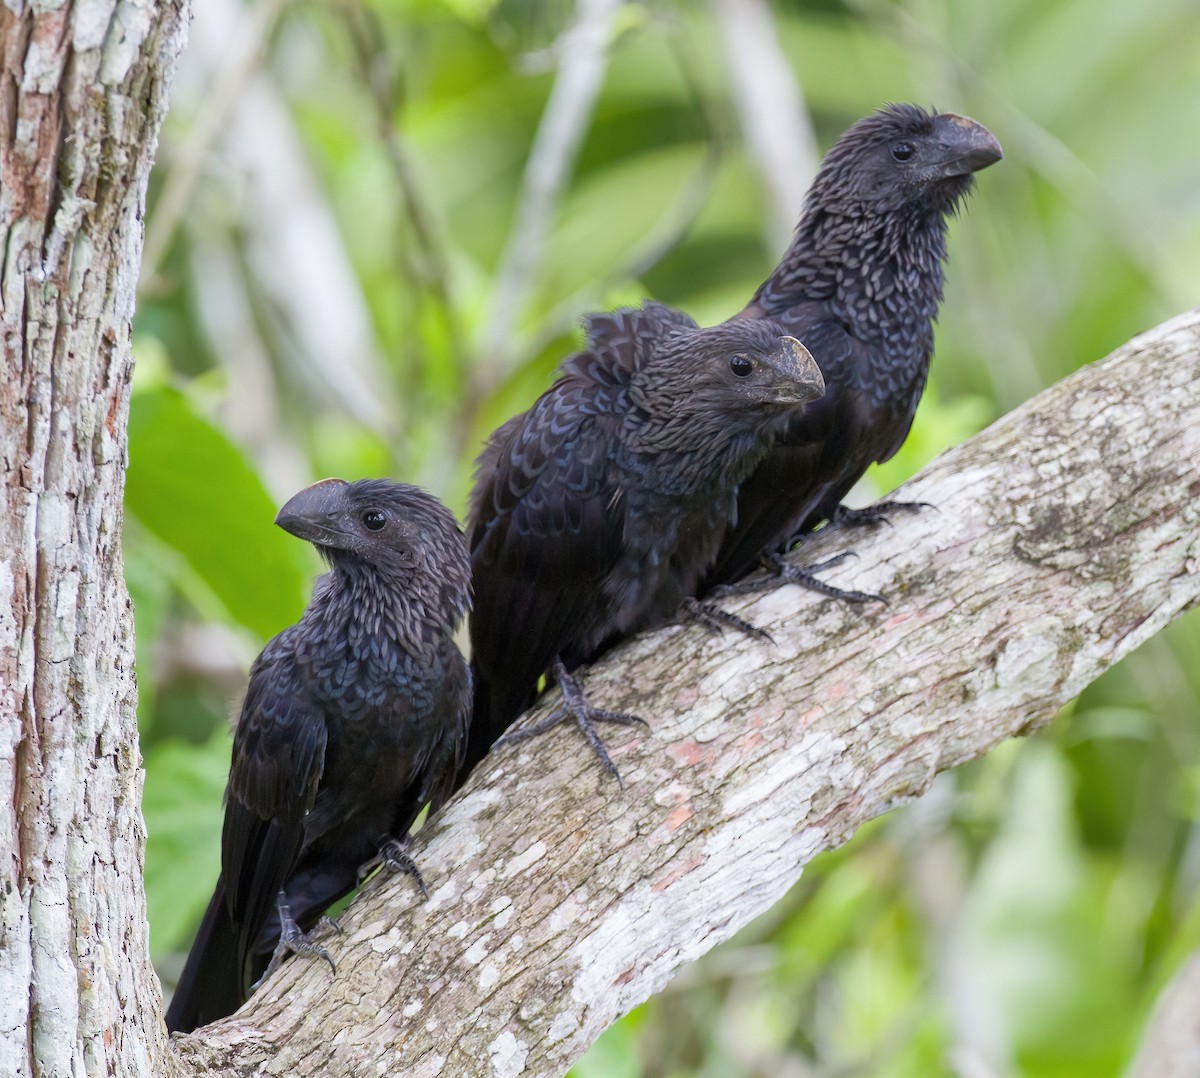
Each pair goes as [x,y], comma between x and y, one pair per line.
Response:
[876,271]
[410,610]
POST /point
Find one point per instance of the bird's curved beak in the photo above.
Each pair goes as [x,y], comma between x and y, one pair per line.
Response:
[963,145]
[312,514]
[807,383]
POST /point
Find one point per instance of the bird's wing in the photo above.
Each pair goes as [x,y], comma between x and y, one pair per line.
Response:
[624,338]
[548,515]
[550,533]
[446,752]
[278,759]
[546,529]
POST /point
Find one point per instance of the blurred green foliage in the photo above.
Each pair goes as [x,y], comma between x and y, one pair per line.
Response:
[327,226]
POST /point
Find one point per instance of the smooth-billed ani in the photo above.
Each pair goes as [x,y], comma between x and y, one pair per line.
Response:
[596,512]
[860,285]
[354,718]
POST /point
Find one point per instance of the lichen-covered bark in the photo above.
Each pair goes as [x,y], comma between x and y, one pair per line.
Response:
[82,94]
[1064,536]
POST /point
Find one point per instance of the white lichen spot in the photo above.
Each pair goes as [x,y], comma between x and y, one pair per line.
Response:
[457,931]
[443,895]
[790,770]
[566,914]
[508,1056]
[522,861]
[467,808]
[481,885]
[411,1008]
[1036,646]
[129,27]
[478,951]
[562,1027]
[89,21]
[488,976]
[502,908]
[385,942]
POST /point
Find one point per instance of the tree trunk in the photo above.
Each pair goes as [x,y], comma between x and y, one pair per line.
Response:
[83,91]
[1064,536]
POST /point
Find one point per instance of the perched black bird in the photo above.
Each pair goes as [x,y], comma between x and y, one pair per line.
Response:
[860,286]
[354,718]
[596,513]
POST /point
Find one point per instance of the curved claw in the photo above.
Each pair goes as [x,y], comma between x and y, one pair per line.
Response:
[575,706]
[875,514]
[293,940]
[393,854]
[713,617]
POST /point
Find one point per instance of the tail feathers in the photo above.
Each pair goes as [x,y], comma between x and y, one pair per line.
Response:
[211,985]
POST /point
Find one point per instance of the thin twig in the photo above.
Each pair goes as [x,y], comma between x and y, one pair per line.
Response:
[240,63]
[582,62]
[770,104]
[674,223]
[430,271]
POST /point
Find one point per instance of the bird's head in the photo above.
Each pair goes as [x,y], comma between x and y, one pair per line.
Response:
[902,156]
[390,526]
[752,364]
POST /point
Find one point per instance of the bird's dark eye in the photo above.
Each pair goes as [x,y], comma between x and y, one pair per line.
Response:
[902,151]
[741,366]
[374,519]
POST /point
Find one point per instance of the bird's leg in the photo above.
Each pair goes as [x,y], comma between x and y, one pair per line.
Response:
[574,706]
[393,854]
[292,940]
[713,617]
[805,576]
[874,514]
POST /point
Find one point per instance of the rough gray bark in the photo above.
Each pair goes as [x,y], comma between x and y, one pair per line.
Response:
[1065,535]
[82,94]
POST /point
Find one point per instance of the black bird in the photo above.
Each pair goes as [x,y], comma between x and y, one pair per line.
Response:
[860,286]
[596,513]
[354,719]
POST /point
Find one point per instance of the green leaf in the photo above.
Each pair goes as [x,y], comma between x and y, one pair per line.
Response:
[192,487]
[182,805]
[150,589]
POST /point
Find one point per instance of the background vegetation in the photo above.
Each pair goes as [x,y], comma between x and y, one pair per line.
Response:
[332,286]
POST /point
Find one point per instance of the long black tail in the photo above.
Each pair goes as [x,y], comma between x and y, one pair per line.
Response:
[210,986]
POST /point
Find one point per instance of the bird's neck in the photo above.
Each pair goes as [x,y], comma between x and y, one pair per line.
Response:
[875,271]
[678,451]
[364,603]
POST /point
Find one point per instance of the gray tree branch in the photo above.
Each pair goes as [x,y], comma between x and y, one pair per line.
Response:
[1064,536]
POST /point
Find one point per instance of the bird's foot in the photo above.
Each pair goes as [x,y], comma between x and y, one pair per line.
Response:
[294,940]
[575,706]
[713,617]
[786,572]
[879,513]
[393,854]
